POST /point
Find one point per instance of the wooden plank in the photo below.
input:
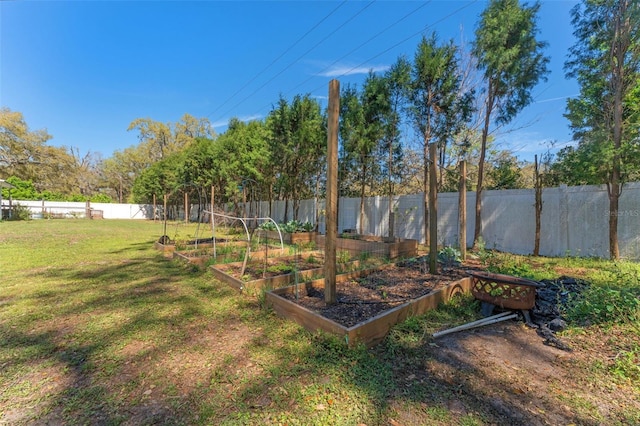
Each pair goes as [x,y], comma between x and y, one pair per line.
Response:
[308,319]
[226,278]
[371,331]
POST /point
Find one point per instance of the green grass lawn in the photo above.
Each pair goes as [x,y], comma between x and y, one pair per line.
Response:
[96,327]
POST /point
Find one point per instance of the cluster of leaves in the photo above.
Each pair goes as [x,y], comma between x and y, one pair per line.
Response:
[26,190]
[614,297]
[449,256]
[289,227]
[606,304]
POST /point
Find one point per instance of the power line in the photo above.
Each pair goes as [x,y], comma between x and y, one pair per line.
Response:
[300,57]
[277,58]
[403,41]
[363,44]
[386,50]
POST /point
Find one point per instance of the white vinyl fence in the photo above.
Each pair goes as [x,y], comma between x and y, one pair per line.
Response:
[575,220]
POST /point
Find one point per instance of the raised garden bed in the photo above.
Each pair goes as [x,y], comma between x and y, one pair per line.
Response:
[200,257]
[168,246]
[391,248]
[290,237]
[370,305]
[277,272]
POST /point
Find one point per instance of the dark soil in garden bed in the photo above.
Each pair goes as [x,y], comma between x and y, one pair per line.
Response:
[392,285]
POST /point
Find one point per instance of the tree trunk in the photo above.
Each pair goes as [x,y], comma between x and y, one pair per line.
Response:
[286,210]
[362,190]
[614,197]
[390,189]
[425,189]
[483,152]
[433,209]
[614,186]
[462,210]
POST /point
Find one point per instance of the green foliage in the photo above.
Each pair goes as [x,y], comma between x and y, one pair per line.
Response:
[606,305]
[509,55]
[296,137]
[297,226]
[268,226]
[279,268]
[26,190]
[101,198]
[512,265]
[483,253]
[20,212]
[627,364]
[605,116]
[290,227]
[505,173]
[343,256]
[449,256]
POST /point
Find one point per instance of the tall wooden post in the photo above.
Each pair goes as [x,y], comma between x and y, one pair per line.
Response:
[462,210]
[332,194]
[433,208]
[164,214]
[212,194]
[538,205]
[186,207]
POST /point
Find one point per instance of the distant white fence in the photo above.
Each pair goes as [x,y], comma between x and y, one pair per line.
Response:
[69,209]
[575,220]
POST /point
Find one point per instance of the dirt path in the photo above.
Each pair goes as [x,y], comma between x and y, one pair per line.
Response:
[507,374]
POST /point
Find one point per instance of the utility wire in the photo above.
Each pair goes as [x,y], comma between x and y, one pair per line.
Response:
[300,57]
[403,41]
[362,44]
[278,58]
[384,51]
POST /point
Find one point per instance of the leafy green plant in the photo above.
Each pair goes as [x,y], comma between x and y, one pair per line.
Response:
[268,226]
[511,265]
[484,255]
[604,304]
[627,364]
[449,256]
[279,269]
[343,256]
[20,212]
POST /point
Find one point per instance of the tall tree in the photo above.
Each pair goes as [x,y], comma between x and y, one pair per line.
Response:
[397,78]
[297,139]
[436,104]
[605,118]
[362,133]
[21,149]
[505,172]
[512,62]
[241,157]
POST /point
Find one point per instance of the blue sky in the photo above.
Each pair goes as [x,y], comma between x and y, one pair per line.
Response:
[84,70]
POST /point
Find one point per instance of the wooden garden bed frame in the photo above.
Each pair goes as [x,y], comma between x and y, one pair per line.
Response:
[269,283]
[369,332]
[391,248]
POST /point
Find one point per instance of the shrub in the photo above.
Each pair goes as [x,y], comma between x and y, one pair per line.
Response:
[20,212]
